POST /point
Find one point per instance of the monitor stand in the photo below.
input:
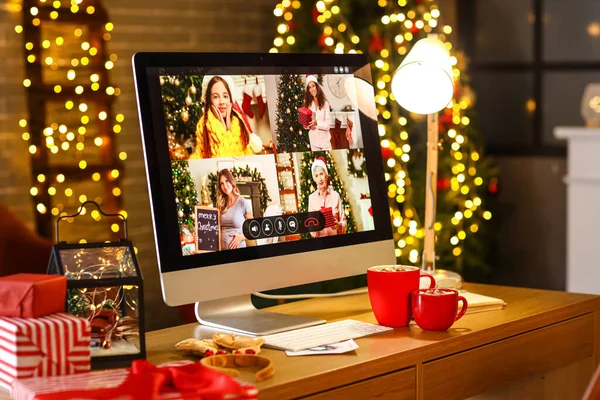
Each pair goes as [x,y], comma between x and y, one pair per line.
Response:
[238,314]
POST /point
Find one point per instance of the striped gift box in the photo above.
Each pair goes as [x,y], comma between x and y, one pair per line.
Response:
[29,389]
[57,344]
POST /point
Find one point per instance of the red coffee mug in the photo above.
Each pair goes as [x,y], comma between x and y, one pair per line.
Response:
[390,291]
[435,309]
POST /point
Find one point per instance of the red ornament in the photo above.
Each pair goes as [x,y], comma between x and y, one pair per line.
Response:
[386,153]
[376,43]
[414,29]
[443,184]
[493,186]
[250,351]
[292,25]
[322,41]
[315,14]
[446,118]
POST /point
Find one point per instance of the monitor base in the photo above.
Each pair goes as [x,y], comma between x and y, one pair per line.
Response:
[238,314]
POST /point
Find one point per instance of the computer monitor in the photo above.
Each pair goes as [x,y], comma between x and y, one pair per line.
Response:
[264,171]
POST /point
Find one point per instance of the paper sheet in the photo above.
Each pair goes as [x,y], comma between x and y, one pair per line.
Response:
[336,348]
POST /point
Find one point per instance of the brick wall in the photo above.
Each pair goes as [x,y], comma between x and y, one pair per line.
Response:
[140,25]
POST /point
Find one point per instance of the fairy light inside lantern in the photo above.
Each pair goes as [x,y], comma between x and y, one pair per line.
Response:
[105,286]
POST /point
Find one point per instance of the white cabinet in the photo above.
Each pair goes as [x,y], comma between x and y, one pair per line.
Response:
[583,208]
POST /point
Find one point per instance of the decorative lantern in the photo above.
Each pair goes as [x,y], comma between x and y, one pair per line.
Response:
[104,285]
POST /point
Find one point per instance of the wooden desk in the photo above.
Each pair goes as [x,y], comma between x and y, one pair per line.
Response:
[543,345]
[541,334]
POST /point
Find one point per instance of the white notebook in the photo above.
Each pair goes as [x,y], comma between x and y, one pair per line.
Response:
[479,302]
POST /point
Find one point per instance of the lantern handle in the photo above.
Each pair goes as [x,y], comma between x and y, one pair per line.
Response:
[101,212]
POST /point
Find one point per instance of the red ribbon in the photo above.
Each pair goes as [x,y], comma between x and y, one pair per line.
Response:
[147,382]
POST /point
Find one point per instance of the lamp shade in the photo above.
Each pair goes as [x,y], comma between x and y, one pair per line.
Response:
[423,83]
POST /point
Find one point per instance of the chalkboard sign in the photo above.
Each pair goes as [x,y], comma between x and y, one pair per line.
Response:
[208,229]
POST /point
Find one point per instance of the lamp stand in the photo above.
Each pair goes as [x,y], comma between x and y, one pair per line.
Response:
[443,278]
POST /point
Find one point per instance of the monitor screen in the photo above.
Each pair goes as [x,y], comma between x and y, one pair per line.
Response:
[256,156]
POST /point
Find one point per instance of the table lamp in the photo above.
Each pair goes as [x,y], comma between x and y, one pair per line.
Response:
[423,84]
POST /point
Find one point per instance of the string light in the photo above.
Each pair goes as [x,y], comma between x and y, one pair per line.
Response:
[59,136]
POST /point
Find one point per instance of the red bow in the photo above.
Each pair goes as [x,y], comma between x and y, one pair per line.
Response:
[146,382]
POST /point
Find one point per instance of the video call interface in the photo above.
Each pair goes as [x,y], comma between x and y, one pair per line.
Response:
[264,159]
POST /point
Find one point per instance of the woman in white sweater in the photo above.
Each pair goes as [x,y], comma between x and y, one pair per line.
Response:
[314,99]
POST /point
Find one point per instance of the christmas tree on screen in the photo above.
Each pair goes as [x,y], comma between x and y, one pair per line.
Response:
[186,196]
[181,96]
[308,185]
[291,135]
[467,180]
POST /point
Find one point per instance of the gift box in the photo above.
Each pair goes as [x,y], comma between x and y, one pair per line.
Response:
[57,344]
[143,381]
[304,116]
[32,295]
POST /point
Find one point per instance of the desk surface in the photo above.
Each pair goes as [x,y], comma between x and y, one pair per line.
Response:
[526,338]
[528,310]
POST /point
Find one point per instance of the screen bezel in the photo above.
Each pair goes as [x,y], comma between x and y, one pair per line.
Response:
[148,67]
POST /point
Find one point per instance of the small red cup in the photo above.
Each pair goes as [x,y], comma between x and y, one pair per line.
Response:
[390,292]
[435,309]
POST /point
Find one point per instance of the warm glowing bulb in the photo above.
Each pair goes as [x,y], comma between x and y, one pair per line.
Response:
[122,156]
[114,173]
[102,115]
[116,192]
[109,26]
[109,65]
[60,178]
[120,118]
[33,191]
[98,141]
[71,74]
[85,46]
[41,178]
[32,149]
[26,82]
[96,176]
[41,208]
[82,164]
[83,107]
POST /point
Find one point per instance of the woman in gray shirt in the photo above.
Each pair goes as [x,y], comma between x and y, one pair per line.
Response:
[234,211]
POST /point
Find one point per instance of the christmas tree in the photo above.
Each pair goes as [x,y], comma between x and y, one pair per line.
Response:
[308,185]
[467,181]
[181,96]
[186,196]
[291,135]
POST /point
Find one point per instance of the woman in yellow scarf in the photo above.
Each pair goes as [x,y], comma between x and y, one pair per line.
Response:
[221,131]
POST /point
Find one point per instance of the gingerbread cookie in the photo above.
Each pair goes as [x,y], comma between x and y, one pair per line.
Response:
[197,347]
[231,341]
